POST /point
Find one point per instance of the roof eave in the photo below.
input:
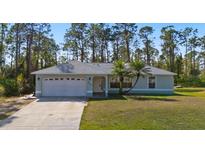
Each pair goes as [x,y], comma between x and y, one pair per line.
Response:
[166,74]
[71,73]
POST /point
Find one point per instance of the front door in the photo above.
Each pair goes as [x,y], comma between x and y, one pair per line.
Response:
[98,84]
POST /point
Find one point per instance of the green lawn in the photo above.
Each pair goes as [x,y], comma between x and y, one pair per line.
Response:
[183,110]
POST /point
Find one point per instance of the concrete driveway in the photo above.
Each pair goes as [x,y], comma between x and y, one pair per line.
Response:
[47,113]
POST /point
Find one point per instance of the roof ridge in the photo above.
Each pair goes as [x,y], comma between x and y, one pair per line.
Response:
[77,67]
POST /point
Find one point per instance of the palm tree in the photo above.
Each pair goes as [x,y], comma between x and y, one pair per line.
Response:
[120,71]
[135,69]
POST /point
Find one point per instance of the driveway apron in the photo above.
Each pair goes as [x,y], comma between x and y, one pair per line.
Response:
[47,114]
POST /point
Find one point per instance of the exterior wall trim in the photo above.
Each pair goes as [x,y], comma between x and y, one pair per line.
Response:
[154,89]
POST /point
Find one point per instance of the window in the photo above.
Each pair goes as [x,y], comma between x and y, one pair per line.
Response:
[78,79]
[115,83]
[56,78]
[152,82]
[61,78]
[114,79]
[72,78]
[50,79]
[68,78]
[46,79]
[127,80]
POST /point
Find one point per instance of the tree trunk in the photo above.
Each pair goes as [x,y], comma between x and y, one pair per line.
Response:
[194,59]
[147,52]
[138,76]
[76,53]
[170,60]
[128,50]
[108,54]
[27,58]
[93,49]
[1,46]
[186,60]
[191,67]
[38,50]
[102,55]
[121,78]
[171,51]
[114,52]
[17,50]
[173,58]
[204,62]
[82,55]
[41,63]
[117,50]
[29,48]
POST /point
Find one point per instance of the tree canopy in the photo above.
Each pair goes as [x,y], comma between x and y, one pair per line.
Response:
[27,47]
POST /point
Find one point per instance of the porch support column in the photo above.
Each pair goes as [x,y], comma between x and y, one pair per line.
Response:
[89,86]
[106,85]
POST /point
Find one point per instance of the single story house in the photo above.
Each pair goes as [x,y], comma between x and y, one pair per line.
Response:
[90,79]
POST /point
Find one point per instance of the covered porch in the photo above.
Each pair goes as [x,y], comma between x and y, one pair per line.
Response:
[99,86]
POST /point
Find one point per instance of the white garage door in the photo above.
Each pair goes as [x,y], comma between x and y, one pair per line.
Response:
[69,86]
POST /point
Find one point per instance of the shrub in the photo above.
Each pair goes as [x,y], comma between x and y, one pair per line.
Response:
[2,90]
[20,83]
[11,87]
[202,76]
[191,81]
[28,88]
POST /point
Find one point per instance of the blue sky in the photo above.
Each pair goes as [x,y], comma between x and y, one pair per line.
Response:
[59,29]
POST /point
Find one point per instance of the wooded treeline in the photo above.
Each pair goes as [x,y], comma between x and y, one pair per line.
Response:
[29,47]
[24,47]
[182,51]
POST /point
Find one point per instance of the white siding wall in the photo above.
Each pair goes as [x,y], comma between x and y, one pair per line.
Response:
[38,87]
[164,82]
[141,84]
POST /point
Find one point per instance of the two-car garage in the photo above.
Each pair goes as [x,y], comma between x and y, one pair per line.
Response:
[64,86]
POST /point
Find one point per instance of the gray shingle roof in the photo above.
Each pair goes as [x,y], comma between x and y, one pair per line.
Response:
[158,71]
[75,67]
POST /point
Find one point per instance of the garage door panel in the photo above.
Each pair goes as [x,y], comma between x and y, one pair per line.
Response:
[64,87]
